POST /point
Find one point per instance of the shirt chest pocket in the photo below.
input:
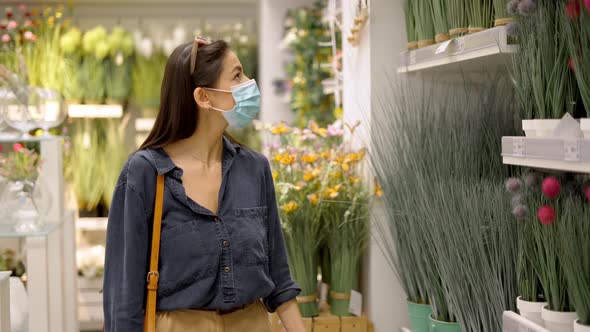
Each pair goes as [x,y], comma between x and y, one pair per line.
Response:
[250,236]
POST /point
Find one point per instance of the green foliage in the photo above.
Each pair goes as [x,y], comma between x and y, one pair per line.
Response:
[304,31]
[457,16]
[439,17]
[424,22]
[146,76]
[410,22]
[480,14]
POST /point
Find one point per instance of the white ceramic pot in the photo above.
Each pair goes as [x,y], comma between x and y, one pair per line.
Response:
[531,310]
[581,328]
[545,128]
[556,321]
[19,305]
[528,126]
[585,125]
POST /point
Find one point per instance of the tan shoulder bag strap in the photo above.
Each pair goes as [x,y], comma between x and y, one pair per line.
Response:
[149,324]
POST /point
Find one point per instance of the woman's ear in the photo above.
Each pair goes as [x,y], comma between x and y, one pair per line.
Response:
[201,98]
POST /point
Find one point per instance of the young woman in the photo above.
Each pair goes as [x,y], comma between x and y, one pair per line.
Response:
[223,263]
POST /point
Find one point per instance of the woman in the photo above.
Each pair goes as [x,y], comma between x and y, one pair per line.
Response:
[223,263]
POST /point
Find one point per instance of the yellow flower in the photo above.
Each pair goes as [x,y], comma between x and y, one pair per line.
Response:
[311,174]
[287,159]
[313,198]
[332,192]
[310,158]
[275,175]
[336,175]
[345,166]
[278,157]
[378,190]
[280,129]
[326,155]
[354,179]
[317,130]
[290,207]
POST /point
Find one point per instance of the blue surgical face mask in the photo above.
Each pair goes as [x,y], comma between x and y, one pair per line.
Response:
[247,98]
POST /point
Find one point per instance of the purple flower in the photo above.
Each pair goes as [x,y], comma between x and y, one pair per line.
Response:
[512,28]
[512,7]
[513,185]
[527,7]
[517,199]
[520,211]
[333,131]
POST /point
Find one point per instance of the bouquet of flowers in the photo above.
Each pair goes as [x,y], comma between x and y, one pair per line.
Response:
[22,165]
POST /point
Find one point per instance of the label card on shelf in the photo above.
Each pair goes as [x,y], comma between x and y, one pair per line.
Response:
[571,150]
[518,146]
[443,47]
[356,303]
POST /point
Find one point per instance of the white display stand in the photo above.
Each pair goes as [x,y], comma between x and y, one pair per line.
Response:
[5,301]
[568,155]
[49,252]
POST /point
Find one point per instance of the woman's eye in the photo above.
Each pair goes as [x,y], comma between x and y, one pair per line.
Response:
[238,75]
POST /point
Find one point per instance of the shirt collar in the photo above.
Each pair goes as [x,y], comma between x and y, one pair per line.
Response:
[164,163]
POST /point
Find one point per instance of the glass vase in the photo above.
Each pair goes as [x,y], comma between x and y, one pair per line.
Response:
[21,205]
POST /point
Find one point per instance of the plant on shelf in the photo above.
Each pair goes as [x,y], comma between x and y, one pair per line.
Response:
[501,15]
[576,21]
[447,201]
[118,66]
[439,16]
[95,49]
[424,23]
[410,25]
[146,76]
[304,30]
[17,32]
[71,48]
[457,17]
[480,15]
[544,83]
[10,262]
[115,148]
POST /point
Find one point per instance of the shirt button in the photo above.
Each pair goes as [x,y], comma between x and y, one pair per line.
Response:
[217,219]
[226,269]
[225,243]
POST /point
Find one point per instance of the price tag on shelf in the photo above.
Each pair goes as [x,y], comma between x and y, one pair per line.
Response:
[443,47]
[571,150]
[459,45]
[356,303]
[518,146]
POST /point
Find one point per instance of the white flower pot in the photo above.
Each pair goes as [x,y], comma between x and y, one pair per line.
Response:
[531,310]
[528,126]
[19,305]
[581,328]
[585,125]
[545,128]
[556,321]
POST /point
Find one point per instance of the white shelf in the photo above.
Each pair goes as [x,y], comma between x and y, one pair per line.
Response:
[513,322]
[92,224]
[144,124]
[568,155]
[405,329]
[95,111]
[483,51]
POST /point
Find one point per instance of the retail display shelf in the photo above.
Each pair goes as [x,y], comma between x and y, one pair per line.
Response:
[405,329]
[487,50]
[7,231]
[569,155]
[12,138]
[92,224]
[95,111]
[144,124]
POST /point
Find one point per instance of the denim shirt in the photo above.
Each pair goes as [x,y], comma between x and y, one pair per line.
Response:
[207,261]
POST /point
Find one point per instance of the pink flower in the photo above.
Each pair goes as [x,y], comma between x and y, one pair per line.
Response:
[513,185]
[587,192]
[546,215]
[572,9]
[28,23]
[12,25]
[551,187]
[1,147]
[587,5]
[334,131]
[17,147]
[5,38]
[30,36]
[23,8]
[572,64]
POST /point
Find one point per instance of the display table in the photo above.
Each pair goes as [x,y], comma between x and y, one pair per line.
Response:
[51,276]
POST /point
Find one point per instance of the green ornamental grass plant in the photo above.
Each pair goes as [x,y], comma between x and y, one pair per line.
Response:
[457,17]
[424,23]
[480,15]
[410,25]
[439,16]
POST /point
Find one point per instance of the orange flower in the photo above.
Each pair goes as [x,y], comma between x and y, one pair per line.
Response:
[311,174]
[290,207]
[354,179]
[313,199]
[285,158]
[275,175]
[332,192]
[378,190]
[323,132]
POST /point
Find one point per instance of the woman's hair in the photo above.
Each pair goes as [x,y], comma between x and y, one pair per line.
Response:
[177,118]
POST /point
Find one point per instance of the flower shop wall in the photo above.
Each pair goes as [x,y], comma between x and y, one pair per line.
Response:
[365,70]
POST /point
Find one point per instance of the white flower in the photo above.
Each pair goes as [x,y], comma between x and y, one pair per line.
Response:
[146,47]
[179,34]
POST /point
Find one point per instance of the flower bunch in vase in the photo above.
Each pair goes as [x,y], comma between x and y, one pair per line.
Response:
[21,170]
[118,66]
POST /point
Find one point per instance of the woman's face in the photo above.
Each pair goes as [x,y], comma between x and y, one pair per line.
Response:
[231,74]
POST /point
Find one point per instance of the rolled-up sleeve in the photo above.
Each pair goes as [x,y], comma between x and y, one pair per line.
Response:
[285,288]
[125,262]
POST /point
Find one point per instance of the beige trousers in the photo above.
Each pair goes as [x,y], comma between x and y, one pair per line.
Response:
[253,318]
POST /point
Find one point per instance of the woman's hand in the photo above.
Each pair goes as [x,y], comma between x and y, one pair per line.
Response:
[291,317]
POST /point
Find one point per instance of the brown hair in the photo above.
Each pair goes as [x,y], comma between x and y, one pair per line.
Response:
[177,118]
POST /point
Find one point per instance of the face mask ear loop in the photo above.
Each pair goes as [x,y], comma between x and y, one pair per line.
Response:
[220,90]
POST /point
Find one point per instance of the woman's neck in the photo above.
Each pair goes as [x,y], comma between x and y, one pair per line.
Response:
[205,145]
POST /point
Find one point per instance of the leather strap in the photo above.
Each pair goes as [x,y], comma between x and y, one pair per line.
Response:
[153,275]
